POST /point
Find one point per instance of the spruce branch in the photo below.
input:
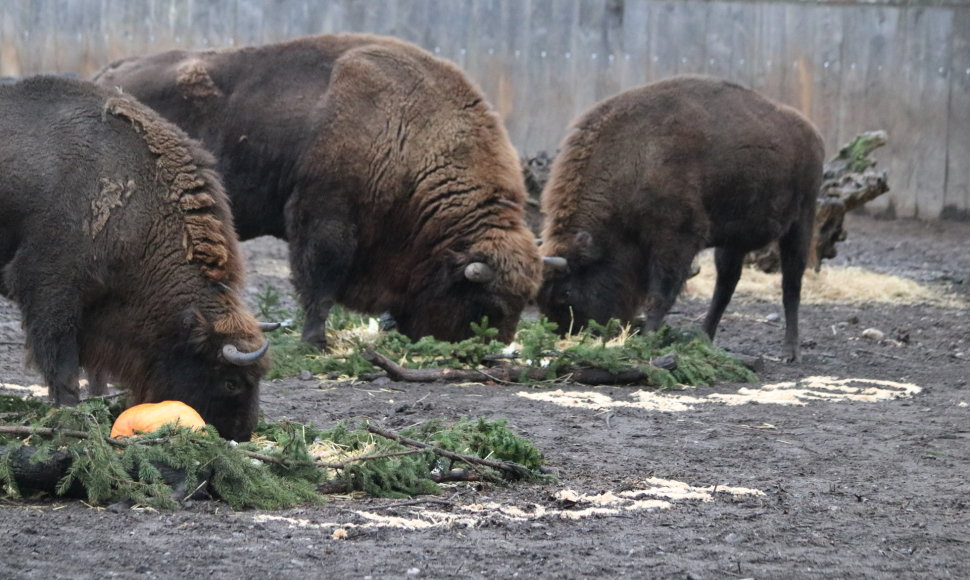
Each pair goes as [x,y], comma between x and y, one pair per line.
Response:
[516,470]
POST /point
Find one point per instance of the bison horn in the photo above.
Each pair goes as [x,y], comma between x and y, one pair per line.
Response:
[555,262]
[268,326]
[479,272]
[232,354]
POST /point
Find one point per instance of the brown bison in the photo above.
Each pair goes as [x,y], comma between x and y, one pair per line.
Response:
[383,166]
[651,176]
[116,241]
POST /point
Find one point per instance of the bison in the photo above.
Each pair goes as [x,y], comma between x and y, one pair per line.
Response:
[384,168]
[117,243]
[651,176]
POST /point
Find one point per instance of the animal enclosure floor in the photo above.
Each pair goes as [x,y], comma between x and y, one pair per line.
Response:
[854,463]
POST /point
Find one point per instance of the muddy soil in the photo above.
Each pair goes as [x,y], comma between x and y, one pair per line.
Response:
[868,476]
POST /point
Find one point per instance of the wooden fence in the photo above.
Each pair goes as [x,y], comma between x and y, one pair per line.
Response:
[902,66]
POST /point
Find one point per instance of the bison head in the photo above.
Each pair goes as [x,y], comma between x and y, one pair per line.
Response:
[215,372]
[466,287]
[584,281]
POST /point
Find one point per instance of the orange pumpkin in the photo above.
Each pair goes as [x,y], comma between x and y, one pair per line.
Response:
[149,417]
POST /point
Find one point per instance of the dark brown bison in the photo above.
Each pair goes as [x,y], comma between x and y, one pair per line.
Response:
[383,166]
[651,176]
[116,241]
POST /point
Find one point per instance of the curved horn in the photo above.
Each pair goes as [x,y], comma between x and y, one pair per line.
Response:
[479,272]
[243,359]
[555,262]
[268,326]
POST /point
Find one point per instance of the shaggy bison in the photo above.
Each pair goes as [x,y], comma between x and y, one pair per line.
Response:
[383,166]
[651,176]
[116,241]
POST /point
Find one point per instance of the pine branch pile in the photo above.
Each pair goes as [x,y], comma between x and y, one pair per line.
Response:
[67,452]
[603,354]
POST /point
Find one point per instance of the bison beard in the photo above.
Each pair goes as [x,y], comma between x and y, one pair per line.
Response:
[391,178]
[653,175]
[116,242]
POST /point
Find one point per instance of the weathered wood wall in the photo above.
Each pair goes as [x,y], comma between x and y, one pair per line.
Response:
[902,66]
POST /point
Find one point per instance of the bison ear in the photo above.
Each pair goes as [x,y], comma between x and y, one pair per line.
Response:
[195,329]
[586,249]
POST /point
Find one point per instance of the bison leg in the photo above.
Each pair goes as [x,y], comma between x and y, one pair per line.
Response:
[51,311]
[52,343]
[794,247]
[97,384]
[664,286]
[729,263]
[321,254]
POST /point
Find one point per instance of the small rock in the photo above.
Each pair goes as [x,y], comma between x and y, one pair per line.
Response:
[773,317]
[873,334]
[339,534]
[414,571]
[305,375]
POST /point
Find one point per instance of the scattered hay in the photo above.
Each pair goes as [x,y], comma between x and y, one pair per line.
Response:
[832,285]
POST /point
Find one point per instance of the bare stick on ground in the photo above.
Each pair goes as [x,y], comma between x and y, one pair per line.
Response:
[516,470]
[518,374]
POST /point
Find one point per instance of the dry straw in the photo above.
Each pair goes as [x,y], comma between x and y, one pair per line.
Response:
[833,284]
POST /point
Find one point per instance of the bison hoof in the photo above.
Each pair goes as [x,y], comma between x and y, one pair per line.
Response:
[315,337]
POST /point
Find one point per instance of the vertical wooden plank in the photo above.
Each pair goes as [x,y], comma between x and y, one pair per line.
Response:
[587,56]
[547,99]
[414,21]
[799,58]
[635,57]
[447,34]
[514,97]
[681,50]
[956,201]
[827,57]
[863,44]
[355,13]
[719,45]
[609,75]
[926,92]
[484,60]
[879,106]
[743,43]
[30,35]
[382,17]
[11,43]
[248,22]
[769,59]
[664,52]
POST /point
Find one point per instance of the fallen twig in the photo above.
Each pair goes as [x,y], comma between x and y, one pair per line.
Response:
[18,430]
[515,469]
[516,374]
[339,486]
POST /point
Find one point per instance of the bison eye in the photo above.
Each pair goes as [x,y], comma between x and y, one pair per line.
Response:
[231,386]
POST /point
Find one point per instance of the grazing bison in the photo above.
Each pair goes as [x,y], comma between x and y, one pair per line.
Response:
[651,176]
[383,166]
[116,241]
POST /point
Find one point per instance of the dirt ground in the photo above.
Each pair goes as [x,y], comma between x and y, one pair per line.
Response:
[867,477]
